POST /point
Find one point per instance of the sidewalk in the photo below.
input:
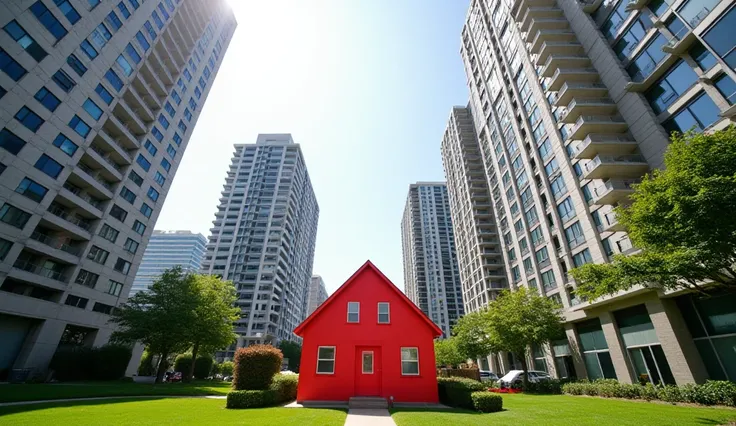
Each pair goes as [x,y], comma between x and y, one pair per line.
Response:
[369,417]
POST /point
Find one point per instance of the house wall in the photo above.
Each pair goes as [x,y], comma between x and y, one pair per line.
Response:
[330,328]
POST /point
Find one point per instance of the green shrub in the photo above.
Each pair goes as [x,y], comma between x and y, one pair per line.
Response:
[255,367]
[111,361]
[647,392]
[487,402]
[145,368]
[670,393]
[456,391]
[713,392]
[203,367]
[183,363]
[108,362]
[250,398]
[547,387]
[285,386]
[574,388]
[226,368]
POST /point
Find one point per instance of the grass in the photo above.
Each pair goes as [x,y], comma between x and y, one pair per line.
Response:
[38,392]
[174,411]
[562,410]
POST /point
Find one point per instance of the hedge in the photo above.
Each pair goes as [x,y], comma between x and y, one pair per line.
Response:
[145,368]
[547,387]
[203,367]
[251,398]
[183,363]
[456,391]
[487,402]
[712,392]
[107,362]
[255,367]
[226,368]
[285,386]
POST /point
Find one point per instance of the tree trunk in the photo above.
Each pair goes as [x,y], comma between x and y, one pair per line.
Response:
[161,366]
[190,373]
[525,368]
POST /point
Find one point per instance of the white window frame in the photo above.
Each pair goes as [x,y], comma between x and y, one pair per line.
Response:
[362,365]
[357,312]
[409,360]
[388,313]
[334,356]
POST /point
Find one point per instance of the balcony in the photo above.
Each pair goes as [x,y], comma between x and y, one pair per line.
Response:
[545,36]
[40,270]
[614,191]
[545,24]
[618,166]
[571,90]
[633,5]
[610,223]
[572,75]
[680,43]
[519,7]
[80,198]
[559,48]
[57,244]
[564,61]
[538,12]
[102,187]
[625,247]
[595,144]
[590,6]
[586,124]
[587,106]
[79,222]
[103,159]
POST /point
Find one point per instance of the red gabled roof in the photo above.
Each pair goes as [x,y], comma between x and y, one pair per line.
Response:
[368,265]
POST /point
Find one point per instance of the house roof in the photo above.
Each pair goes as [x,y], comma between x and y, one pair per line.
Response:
[368,265]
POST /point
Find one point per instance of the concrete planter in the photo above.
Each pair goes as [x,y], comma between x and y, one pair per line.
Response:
[145,379]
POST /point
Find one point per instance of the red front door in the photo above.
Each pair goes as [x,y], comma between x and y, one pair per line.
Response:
[368,371]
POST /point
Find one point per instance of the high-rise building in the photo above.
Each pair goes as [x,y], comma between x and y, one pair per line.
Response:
[431,276]
[573,102]
[263,238]
[165,250]
[98,103]
[317,294]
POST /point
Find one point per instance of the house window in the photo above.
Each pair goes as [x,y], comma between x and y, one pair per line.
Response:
[384,314]
[326,360]
[409,361]
[354,312]
[367,357]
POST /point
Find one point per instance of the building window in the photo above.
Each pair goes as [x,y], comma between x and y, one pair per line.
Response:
[566,210]
[384,315]
[63,80]
[11,142]
[114,80]
[647,60]
[122,266]
[727,87]
[171,151]
[124,65]
[642,344]
[92,109]
[159,179]
[163,121]
[596,356]
[632,36]
[131,246]
[353,312]
[574,235]
[115,288]
[409,361]
[88,49]
[615,20]
[49,166]
[68,10]
[143,162]
[582,258]
[17,33]
[152,194]
[75,64]
[118,213]
[31,189]
[702,56]
[698,114]
[102,308]
[548,280]
[14,216]
[47,99]
[86,278]
[151,148]
[542,256]
[326,360]
[694,11]
[76,301]
[98,255]
[79,126]
[104,94]
[142,41]
[5,247]
[139,227]
[135,178]
[146,210]
[30,119]
[10,67]
[664,92]
[109,233]
[367,362]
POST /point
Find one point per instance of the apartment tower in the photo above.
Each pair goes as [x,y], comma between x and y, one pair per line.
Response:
[572,103]
[431,275]
[263,239]
[317,294]
[165,250]
[98,103]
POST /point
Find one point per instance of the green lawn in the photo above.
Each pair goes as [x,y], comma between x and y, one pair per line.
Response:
[550,410]
[175,411]
[23,392]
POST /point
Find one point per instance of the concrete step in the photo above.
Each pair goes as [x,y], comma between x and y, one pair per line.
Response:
[367,402]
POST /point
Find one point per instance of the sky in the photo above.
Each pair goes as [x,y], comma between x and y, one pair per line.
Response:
[364,86]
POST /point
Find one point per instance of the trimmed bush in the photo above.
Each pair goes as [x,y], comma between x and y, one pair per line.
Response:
[111,361]
[285,386]
[487,402]
[203,367]
[250,398]
[456,391]
[255,367]
[107,362]
[145,368]
[547,387]
[183,363]
[226,368]
[712,392]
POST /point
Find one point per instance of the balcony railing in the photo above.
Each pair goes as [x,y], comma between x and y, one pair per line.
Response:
[614,184]
[55,243]
[107,159]
[94,175]
[84,224]
[78,192]
[38,269]
[600,159]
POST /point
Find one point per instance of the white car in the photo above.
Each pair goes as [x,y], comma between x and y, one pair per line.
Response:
[516,378]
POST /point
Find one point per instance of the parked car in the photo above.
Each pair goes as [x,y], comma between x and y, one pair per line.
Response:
[488,376]
[174,377]
[515,378]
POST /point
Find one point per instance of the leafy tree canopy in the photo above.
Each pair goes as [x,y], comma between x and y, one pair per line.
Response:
[682,218]
[292,351]
[446,353]
[471,336]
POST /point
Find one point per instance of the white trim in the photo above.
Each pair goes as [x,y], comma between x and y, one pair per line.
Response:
[334,356]
[362,364]
[388,312]
[348,313]
[411,360]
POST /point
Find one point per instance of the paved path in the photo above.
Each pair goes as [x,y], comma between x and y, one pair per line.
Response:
[98,398]
[369,417]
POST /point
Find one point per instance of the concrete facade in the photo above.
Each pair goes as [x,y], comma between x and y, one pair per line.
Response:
[431,275]
[263,239]
[98,102]
[573,102]
[317,294]
[165,250]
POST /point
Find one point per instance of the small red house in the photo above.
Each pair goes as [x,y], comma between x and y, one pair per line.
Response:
[368,339]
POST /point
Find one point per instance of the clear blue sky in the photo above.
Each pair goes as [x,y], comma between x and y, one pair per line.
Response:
[364,86]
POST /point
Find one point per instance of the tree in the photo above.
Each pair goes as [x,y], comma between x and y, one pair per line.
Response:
[214,316]
[446,353]
[160,317]
[471,336]
[682,219]
[520,319]
[292,351]
[226,368]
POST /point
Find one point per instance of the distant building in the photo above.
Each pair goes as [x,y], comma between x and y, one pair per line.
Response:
[165,250]
[317,294]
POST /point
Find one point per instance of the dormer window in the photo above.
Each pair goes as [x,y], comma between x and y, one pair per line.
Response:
[354,312]
[384,313]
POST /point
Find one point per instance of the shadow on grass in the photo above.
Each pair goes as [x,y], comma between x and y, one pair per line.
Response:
[14,409]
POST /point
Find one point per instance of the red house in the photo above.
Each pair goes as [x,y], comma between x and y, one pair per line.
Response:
[368,339]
